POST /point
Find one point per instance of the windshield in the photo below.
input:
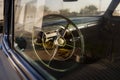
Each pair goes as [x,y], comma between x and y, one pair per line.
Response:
[30,12]
[47,32]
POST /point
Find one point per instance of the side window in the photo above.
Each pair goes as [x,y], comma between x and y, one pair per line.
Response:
[48,39]
[117,11]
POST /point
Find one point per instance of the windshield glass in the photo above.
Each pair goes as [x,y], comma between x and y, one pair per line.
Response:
[47,32]
[117,11]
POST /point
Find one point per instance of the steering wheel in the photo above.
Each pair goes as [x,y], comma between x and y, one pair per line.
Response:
[62,48]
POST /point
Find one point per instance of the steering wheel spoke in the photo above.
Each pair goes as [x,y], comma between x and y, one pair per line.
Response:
[53,56]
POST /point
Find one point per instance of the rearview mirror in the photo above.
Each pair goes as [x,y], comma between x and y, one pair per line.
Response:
[69,0]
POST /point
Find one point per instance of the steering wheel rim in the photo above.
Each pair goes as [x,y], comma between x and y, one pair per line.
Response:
[54,53]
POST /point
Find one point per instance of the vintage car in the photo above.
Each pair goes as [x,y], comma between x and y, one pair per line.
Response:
[60,40]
